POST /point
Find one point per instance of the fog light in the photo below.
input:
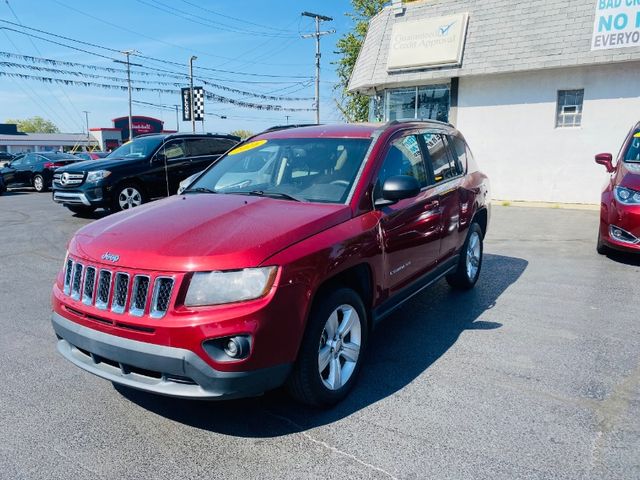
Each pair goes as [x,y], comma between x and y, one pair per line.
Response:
[232,348]
[622,235]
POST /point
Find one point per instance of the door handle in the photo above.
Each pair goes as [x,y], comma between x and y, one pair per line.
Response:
[432,205]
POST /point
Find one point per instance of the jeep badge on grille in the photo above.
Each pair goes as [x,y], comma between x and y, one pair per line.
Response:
[110,257]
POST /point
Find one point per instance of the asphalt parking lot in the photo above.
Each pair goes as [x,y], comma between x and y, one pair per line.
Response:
[534,374]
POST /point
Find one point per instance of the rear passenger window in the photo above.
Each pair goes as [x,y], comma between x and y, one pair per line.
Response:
[443,167]
[458,148]
[404,158]
[199,147]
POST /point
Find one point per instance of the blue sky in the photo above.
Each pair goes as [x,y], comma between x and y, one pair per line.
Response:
[259,47]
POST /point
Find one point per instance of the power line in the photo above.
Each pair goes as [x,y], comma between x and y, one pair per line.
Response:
[140,34]
[158,5]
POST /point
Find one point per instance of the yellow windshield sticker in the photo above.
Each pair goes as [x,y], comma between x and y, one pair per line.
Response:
[247,146]
[637,135]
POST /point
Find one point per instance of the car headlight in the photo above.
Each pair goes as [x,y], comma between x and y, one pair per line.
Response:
[215,288]
[96,175]
[627,196]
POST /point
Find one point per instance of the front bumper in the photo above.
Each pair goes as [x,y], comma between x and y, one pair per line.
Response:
[625,218]
[164,370]
[90,197]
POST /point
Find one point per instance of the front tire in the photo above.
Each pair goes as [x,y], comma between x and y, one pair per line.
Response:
[601,248]
[332,349]
[127,196]
[470,262]
[38,183]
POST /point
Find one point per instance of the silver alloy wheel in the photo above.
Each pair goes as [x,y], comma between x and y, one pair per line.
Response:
[129,197]
[339,348]
[474,253]
[38,183]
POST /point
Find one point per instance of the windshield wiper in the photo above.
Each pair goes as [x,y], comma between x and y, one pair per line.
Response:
[199,190]
[263,193]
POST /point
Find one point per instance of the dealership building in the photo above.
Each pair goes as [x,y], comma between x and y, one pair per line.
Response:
[536,86]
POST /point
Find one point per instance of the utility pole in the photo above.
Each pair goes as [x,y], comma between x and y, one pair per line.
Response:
[287,117]
[193,115]
[177,119]
[319,18]
[127,53]
[86,116]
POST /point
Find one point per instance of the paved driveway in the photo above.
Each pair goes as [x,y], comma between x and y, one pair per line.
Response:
[534,374]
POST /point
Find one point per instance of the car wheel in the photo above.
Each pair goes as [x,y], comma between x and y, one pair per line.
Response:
[127,196]
[38,183]
[470,262]
[80,210]
[332,349]
[601,248]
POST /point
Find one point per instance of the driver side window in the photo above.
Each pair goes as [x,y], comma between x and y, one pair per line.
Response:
[403,158]
[174,150]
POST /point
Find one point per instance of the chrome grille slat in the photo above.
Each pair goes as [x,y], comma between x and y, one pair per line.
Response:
[73,179]
[89,285]
[76,281]
[139,294]
[67,276]
[120,292]
[104,289]
[161,296]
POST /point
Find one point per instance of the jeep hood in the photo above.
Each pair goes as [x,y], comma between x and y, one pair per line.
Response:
[203,232]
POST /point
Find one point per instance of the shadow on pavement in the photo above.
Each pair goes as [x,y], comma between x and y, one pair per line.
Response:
[632,259]
[401,348]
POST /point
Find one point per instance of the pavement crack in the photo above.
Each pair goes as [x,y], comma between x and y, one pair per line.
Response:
[329,447]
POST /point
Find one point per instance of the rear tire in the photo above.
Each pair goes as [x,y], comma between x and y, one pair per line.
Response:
[127,196]
[38,183]
[470,262]
[79,210]
[332,349]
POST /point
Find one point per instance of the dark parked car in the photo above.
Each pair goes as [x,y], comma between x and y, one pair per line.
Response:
[34,169]
[148,167]
[620,204]
[275,263]
[91,155]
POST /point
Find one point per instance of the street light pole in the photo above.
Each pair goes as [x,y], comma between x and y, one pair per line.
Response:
[177,119]
[193,114]
[86,116]
[318,18]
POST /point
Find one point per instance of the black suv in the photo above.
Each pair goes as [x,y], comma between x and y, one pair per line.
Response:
[148,167]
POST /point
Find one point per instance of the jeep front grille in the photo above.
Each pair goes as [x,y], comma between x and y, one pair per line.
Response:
[120,292]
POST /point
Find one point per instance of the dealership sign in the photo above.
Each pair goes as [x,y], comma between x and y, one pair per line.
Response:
[616,25]
[433,42]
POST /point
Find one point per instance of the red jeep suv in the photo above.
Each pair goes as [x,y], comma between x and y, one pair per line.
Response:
[620,204]
[272,267]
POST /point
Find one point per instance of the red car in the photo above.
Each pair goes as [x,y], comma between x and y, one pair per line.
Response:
[620,205]
[273,266]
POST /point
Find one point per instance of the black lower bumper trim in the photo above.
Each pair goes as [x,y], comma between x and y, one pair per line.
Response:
[159,369]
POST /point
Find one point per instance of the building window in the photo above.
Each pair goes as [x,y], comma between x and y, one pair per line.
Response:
[569,108]
[426,102]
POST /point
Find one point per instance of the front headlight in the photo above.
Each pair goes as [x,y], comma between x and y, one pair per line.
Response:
[627,196]
[215,288]
[96,175]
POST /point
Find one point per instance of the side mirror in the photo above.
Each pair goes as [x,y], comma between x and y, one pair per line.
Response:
[160,157]
[397,188]
[605,159]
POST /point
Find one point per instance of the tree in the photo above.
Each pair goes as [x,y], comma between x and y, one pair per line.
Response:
[354,106]
[35,125]
[242,133]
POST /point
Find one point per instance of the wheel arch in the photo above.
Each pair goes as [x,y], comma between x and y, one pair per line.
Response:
[481,217]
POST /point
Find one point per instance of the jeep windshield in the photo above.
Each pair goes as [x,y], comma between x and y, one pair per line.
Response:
[313,169]
[138,148]
[633,151]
